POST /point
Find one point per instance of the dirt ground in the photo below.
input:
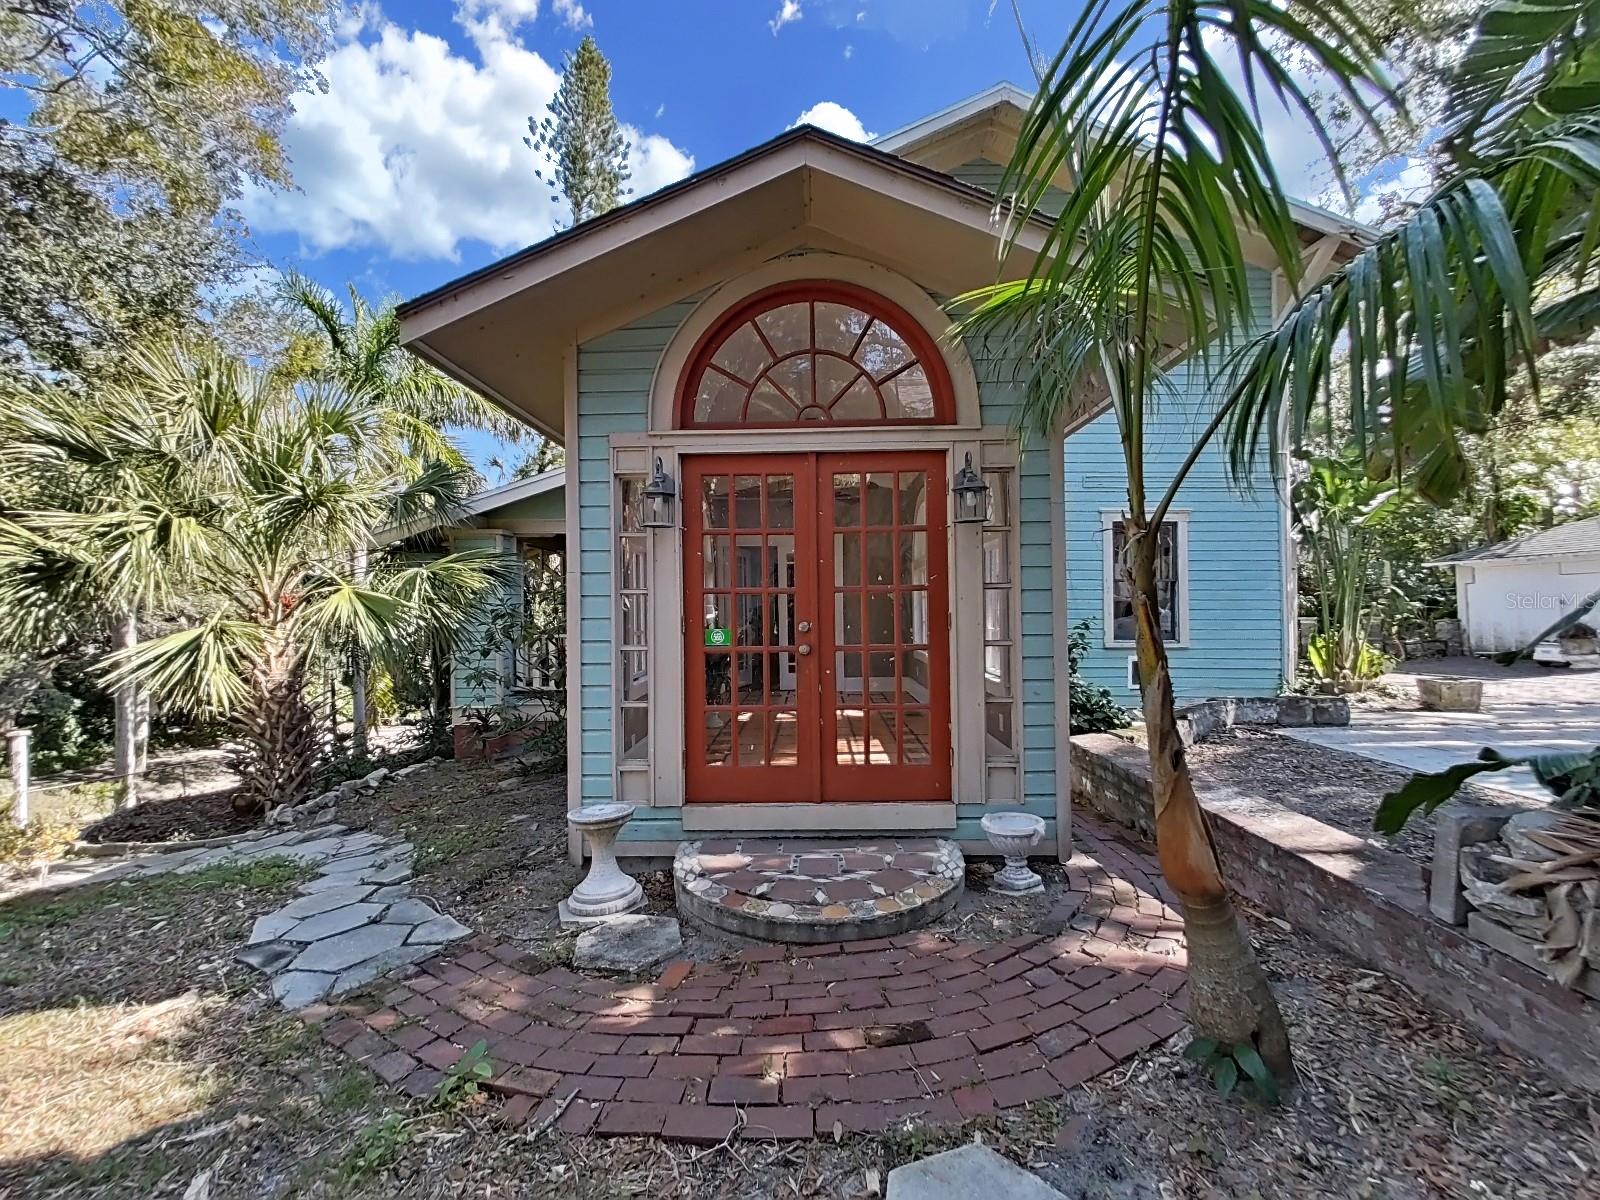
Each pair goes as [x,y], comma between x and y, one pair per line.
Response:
[137,1058]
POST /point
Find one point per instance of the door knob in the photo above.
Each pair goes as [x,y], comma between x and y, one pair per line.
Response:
[805,626]
[802,650]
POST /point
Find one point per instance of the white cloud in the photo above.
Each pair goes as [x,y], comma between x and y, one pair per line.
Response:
[415,148]
[573,13]
[835,118]
[849,51]
[787,15]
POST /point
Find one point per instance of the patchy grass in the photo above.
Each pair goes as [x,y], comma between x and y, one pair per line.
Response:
[441,847]
[159,894]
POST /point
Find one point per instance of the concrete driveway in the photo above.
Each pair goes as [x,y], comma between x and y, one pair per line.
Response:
[1526,710]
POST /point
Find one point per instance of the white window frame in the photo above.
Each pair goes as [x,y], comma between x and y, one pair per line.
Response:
[1108,519]
[622,682]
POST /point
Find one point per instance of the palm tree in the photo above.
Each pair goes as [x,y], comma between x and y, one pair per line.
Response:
[1146,262]
[223,486]
[359,349]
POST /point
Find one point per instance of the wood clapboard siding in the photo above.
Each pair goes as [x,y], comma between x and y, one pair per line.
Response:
[614,374]
[1235,580]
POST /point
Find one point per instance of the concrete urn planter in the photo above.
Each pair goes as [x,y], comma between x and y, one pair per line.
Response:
[607,891]
[1014,834]
[1447,694]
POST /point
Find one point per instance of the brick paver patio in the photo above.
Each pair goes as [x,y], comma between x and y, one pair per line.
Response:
[784,1042]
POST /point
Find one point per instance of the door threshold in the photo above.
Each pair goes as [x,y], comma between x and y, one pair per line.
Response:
[931,816]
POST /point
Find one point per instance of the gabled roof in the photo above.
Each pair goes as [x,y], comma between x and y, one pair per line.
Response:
[999,110]
[503,330]
[1575,537]
[482,502]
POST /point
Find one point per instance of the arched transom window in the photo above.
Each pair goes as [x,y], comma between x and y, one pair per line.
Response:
[815,352]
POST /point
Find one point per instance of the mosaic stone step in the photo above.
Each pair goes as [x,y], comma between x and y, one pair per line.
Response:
[812,891]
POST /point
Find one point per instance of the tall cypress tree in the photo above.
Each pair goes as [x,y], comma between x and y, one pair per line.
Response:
[582,137]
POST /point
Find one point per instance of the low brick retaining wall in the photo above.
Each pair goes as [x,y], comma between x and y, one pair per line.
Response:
[1369,902]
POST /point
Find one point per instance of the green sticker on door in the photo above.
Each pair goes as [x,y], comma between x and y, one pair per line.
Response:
[716,636]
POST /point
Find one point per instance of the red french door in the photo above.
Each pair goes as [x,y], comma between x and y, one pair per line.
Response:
[817,646]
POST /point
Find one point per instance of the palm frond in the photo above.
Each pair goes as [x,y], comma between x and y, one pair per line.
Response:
[204,670]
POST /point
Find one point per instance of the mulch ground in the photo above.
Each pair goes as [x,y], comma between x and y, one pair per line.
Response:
[104,1008]
[1340,789]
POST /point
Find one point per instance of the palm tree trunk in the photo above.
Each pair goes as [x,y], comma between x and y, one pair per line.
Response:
[278,731]
[126,764]
[1229,997]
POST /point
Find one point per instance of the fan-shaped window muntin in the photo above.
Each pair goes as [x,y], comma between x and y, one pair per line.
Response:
[815,354]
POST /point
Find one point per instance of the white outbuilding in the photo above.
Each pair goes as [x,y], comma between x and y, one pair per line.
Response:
[1509,593]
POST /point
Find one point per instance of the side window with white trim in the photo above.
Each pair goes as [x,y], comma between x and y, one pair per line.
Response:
[1171,579]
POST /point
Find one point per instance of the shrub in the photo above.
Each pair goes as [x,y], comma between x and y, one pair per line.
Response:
[1093,708]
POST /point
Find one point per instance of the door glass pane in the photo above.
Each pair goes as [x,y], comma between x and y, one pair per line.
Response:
[850,745]
[999,496]
[780,562]
[997,670]
[747,559]
[997,724]
[913,558]
[881,685]
[996,615]
[846,500]
[719,739]
[834,375]
[752,627]
[750,671]
[717,616]
[847,618]
[780,501]
[782,678]
[752,728]
[913,498]
[880,499]
[848,678]
[916,738]
[635,733]
[914,618]
[747,501]
[783,626]
[880,737]
[847,559]
[718,688]
[880,559]
[633,618]
[916,677]
[908,397]
[714,501]
[996,556]
[635,675]
[880,618]
[715,571]
[719,399]
[784,724]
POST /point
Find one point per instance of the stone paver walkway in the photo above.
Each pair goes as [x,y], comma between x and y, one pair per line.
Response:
[787,1042]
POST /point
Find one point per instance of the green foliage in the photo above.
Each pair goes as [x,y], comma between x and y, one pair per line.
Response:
[202,478]
[1572,777]
[582,137]
[1234,1067]
[144,120]
[71,719]
[376,1147]
[1332,662]
[461,1082]
[1335,508]
[1092,707]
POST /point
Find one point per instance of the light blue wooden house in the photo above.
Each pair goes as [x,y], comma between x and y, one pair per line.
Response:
[814,585]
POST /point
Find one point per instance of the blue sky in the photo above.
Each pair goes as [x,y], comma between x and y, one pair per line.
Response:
[410,168]
[428,102]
